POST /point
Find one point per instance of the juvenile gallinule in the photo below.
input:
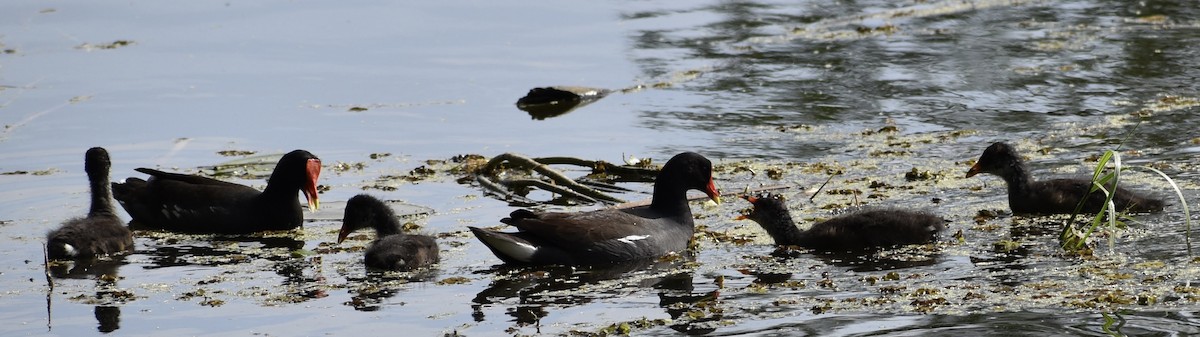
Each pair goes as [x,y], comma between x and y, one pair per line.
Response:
[194,204]
[848,232]
[1056,196]
[392,249]
[609,235]
[101,232]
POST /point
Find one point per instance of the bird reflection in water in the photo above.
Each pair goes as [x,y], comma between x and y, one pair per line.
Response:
[109,318]
[174,250]
[539,289]
[108,295]
[377,286]
[303,277]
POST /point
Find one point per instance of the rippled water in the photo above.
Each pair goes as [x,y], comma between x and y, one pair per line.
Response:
[801,87]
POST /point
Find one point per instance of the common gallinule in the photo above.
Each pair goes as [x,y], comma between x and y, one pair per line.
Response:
[194,204]
[1056,196]
[609,235]
[101,232]
[392,249]
[848,232]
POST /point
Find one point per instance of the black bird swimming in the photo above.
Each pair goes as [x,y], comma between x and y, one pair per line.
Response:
[101,232]
[847,232]
[195,204]
[1055,196]
[392,249]
[609,235]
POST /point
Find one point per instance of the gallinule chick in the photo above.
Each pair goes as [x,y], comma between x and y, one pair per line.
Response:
[609,235]
[1056,196]
[392,250]
[848,232]
[101,232]
[195,204]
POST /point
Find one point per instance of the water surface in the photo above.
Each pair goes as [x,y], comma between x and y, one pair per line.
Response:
[805,88]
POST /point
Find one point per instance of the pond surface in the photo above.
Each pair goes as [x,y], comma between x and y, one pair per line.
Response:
[873,89]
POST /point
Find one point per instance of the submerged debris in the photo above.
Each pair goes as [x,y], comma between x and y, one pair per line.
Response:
[917,175]
[112,45]
[251,167]
[235,153]
[45,172]
[516,189]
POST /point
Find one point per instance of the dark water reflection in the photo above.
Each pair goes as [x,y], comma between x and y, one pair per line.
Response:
[1012,68]
[185,250]
[107,297]
[87,268]
[539,291]
[109,318]
[377,287]
[864,261]
[1009,324]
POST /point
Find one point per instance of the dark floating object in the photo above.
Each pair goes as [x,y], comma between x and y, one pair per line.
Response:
[392,249]
[195,204]
[1056,196]
[849,232]
[101,232]
[609,235]
[547,102]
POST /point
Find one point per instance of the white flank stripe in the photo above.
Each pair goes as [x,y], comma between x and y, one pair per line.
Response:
[630,239]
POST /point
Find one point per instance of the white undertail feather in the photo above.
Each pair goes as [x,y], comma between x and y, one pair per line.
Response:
[70,250]
[519,251]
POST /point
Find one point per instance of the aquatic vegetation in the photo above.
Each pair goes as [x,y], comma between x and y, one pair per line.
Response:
[1075,239]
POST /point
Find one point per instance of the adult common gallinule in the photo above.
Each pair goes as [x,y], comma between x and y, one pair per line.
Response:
[194,204]
[101,232]
[848,232]
[1056,196]
[392,249]
[609,235]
